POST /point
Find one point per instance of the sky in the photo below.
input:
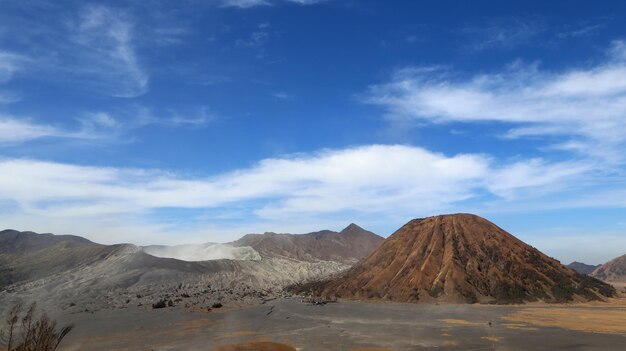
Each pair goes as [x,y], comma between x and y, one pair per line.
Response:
[162,122]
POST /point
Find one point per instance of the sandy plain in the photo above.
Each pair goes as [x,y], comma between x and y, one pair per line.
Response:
[289,324]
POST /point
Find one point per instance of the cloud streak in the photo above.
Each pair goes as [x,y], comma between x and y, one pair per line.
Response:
[10,63]
[366,182]
[106,42]
[244,4]
[585,105]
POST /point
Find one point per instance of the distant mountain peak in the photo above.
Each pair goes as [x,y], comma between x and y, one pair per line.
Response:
[350,245]
[582,268]
[351,227]
[612,271]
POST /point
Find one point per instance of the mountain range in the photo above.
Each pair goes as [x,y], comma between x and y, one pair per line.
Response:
[448,258]
[72,270]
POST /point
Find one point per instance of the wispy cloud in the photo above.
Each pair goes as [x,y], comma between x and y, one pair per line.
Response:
[281,95]
[307,2]
[102,126]
[244,4]
[15,130]
[191,117]
[504,33]
[390,181]
[586,105]
[257,41]
[106,52]
[7,97]
[10,63]
[581,31]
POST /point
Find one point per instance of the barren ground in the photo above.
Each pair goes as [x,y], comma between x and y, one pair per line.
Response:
[288,324]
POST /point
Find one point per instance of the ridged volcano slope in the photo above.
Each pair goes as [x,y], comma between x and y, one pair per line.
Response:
[461,258]
[348,246]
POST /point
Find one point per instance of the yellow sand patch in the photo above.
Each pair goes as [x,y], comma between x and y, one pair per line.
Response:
[490,338]
[236,334]
[450,343]
[462,322]
[519,326]
[370,349]
[256,345]
[594,320]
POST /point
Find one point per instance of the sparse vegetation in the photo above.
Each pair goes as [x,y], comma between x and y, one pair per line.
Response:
[435,291]
[28,332]
[415,294]
[162,304]
[562,293]
[509,293]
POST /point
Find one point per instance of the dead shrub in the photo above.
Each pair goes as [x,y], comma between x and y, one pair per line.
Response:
[28,332]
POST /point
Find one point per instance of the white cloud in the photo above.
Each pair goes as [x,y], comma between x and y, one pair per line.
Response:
[515,179]
[376,181]
[9,64]
[7,97]
[282,95]
[14,130]
[101,126]
[244,4]
[258,40]
[106,52]
[504,33]
[306,2]
[587,105]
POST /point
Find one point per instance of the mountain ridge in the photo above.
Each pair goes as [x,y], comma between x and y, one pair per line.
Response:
[349,245]
[582,268]
[613,271]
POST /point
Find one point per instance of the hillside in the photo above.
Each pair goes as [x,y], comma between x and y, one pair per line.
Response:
[17,243]
[460,258]
[70,270]
[348,246]
[582,268]
[613,271]
[26,255]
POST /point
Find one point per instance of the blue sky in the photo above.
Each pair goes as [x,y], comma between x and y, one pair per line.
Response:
[196,121]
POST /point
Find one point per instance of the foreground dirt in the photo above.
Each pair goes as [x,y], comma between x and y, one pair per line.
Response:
[606,318]
[256,345]
[289,324]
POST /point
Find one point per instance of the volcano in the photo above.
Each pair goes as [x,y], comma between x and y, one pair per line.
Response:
[460,258]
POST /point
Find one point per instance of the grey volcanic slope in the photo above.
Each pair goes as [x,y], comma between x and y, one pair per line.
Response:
[613,271]
[461,258]
[348,246]
[74,271]
[26,255]
[582,268]
[17,243]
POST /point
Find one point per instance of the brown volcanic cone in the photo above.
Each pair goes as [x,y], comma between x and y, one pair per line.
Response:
[461,258]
